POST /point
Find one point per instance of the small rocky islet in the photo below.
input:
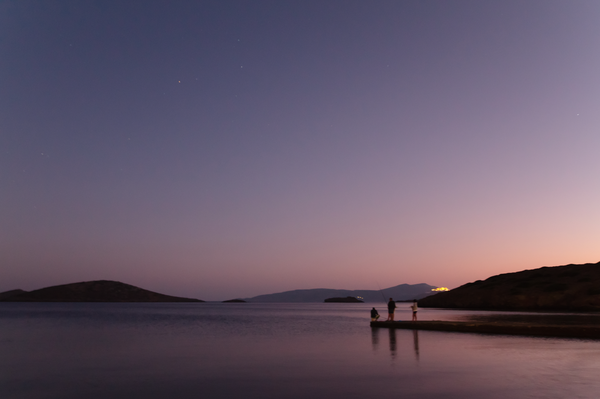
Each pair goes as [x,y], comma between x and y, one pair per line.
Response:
[348,299]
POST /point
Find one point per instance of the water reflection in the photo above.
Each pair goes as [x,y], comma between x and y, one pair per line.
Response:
[98,351]
[416,343]
[393,340]
[392,332]
[375,338]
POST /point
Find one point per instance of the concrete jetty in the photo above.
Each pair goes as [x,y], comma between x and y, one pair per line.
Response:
[510,328]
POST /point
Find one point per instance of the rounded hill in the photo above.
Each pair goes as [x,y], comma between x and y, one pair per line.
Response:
[93,291]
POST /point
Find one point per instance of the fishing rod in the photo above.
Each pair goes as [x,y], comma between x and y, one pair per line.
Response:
[381,291]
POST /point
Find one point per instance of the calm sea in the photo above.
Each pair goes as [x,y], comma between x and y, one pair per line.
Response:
[215,350]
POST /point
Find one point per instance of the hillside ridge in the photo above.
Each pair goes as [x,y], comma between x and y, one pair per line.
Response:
[554,288]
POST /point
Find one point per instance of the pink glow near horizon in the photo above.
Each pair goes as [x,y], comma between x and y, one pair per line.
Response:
[233,151]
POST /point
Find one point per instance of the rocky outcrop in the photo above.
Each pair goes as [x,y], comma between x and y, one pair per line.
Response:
[348,299]
[94,291]
[559,288]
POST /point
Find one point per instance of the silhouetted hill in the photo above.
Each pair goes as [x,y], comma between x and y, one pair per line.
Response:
[402,292]
[562,288]
[6,294]
[93,291]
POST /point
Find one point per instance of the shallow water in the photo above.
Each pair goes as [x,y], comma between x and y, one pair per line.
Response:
[214,350]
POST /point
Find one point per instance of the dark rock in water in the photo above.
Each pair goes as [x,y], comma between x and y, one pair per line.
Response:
[234,301]
[6,294]
[348,299]
[94,291]
[399,292]
[559,288]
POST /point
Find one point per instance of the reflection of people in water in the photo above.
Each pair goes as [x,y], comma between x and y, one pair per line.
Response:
[375,337]
[391,307]
[404,335]
[414,308]
[374,314]
[416,341]
[392,341]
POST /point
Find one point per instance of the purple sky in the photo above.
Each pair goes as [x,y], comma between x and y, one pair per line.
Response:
[220,149]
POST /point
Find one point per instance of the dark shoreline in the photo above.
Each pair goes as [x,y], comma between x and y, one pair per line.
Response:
[527,329]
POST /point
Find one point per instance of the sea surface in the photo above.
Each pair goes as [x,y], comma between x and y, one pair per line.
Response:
[251,350]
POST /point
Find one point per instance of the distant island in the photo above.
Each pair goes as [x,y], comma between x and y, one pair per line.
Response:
[402,292]
[348,299]
[91,291]
[559,288]
[114,291]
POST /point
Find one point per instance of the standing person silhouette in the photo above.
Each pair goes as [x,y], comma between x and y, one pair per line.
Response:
[391,307]
[414,308]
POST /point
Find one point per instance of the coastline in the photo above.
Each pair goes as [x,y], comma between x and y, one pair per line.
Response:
[509,328]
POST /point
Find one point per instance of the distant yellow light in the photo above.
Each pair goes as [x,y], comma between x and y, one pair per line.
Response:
[440,289]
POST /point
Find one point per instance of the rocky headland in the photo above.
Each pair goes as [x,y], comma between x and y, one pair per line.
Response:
[91,291]
[558,288]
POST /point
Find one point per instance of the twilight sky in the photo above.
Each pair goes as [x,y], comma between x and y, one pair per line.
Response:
[220,149]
